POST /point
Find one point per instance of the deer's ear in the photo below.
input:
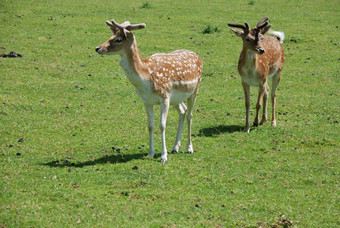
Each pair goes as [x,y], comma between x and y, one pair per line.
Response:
[128,35]
[237,32]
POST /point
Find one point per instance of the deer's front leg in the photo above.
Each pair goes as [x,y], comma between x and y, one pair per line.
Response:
[149,111]
[246,89]
[162,125]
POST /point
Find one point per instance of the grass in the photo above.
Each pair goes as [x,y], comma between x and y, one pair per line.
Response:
[251,2]
[146,5]
[74,133]
[210,29]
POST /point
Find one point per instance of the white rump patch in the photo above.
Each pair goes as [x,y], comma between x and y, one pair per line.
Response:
[278,34]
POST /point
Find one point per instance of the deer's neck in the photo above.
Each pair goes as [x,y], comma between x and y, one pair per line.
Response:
[247,60]
[248,57]
[133,65]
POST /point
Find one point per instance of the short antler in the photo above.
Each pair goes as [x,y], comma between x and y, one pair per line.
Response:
[124,28]
[135,27]
[125,25]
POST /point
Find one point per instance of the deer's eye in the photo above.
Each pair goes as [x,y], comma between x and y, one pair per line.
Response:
[118,40]
[247,39]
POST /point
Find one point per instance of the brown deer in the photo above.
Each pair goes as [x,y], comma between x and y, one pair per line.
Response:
[261,58]
[161,79]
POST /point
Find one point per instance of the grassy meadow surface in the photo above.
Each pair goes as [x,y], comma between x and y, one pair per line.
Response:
[73,132]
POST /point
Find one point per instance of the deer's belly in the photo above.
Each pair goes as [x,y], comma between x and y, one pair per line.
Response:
[177,96]
[153,98]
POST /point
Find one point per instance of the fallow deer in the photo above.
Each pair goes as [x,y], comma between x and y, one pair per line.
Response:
[161,79]
[261,58]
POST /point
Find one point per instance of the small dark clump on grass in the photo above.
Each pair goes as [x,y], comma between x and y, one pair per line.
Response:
[146,5]
[12,54]
[251,2]
[211,29]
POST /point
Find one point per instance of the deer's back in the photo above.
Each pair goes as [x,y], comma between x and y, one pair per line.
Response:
[179,70]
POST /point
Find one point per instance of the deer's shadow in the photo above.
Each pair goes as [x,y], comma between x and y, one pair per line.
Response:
[113,159]
[123,158]
[220,129]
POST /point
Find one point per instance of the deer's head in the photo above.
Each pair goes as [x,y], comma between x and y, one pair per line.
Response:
[252,38]
[121,38]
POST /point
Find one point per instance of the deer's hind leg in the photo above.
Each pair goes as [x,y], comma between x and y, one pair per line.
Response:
[181,108]
[265,98]
[275,83]
[190,103]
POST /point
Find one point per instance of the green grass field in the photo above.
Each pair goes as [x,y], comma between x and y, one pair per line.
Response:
[74,137]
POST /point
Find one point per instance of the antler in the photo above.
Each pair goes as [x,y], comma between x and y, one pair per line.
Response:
[262,23]
[115,27]
[125,25]
[124,28]
[135,27]
[262,26]
[244,28]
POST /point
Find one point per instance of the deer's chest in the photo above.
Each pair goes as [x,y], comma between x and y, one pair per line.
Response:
[147,95]
[249,70]
[250,75]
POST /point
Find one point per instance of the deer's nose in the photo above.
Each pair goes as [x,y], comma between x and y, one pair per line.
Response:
[97,49]
[262,51]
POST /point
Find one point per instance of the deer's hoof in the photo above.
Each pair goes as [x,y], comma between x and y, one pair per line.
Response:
[150,155]
[263,121]
[274,123]
[174,151]
[190,149]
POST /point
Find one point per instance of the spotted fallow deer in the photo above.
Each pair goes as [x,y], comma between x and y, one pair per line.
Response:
[161,79]
[261,58]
